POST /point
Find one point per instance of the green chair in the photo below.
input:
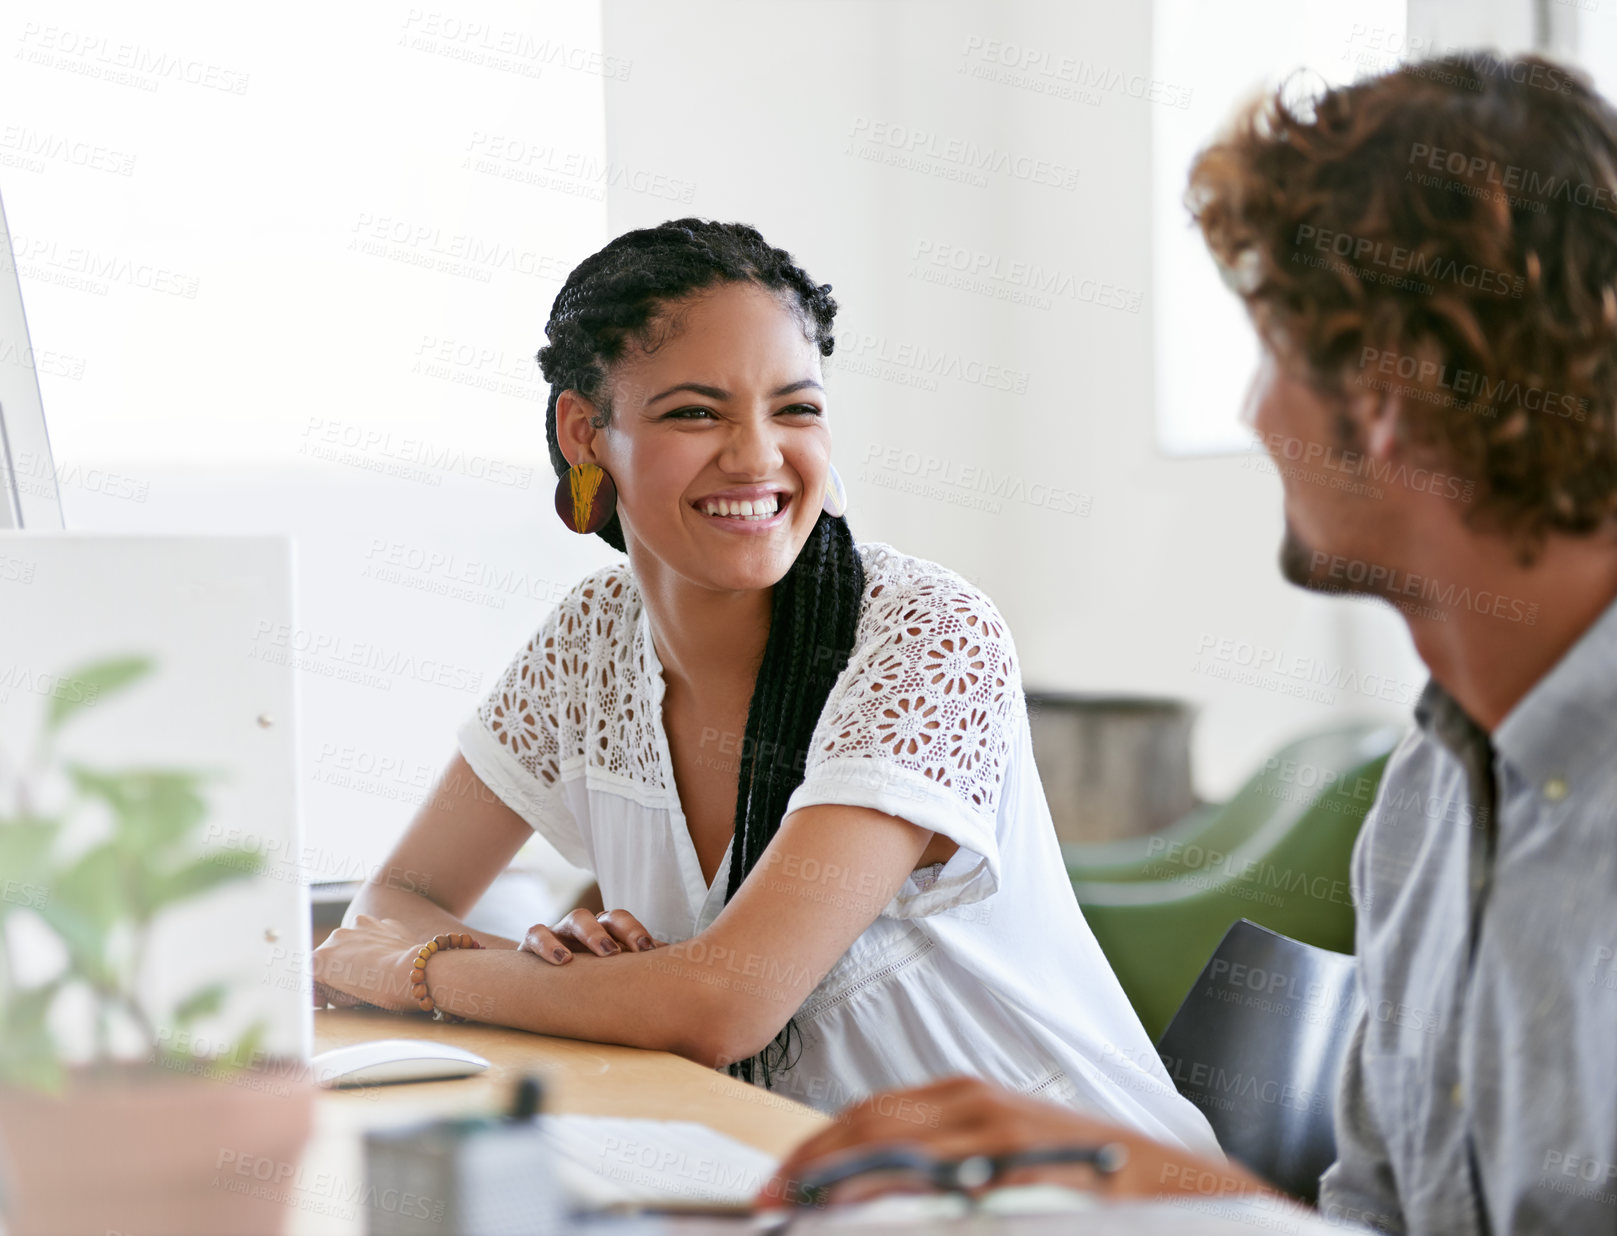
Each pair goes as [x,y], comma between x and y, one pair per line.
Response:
[1276,853]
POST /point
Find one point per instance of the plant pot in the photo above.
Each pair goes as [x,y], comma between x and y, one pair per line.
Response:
[146,1152]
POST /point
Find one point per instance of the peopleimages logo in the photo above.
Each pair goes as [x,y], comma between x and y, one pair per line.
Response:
[1467,388]
[1393,583]
[1402,261]
[1358,464]
[868,350]
[1255,664]
[475,42]
[543,163]
[98,56]
[414,458]
[423,244]
[95,270]
[337,656]
[972,478]
[16,570]
[917,143]
[971,269]
[46,685]
[1038,67]
[34,148]
[1512,178]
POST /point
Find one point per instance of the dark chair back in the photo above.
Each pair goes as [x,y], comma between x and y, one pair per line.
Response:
[1258,1046]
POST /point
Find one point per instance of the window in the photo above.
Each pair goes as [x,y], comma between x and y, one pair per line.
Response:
[1206,354]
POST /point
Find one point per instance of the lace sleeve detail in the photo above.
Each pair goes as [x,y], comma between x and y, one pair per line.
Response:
[920,724]
[522,711]
[932,690]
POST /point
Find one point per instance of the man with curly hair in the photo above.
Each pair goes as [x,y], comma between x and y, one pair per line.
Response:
[1430,260]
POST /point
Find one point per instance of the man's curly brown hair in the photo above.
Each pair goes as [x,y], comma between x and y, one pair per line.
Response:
[1446,232]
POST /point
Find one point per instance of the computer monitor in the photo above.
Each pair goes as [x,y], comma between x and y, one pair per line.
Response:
[29,497]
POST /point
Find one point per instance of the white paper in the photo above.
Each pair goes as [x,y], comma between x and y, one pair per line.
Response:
[602,1160]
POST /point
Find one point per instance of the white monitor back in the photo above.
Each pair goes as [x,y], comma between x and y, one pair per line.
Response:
[28,493]
[218,700]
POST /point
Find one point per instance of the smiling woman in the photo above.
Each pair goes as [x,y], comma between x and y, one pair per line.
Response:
[799,767]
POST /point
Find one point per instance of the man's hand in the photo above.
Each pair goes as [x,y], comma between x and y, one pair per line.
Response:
[964,1116]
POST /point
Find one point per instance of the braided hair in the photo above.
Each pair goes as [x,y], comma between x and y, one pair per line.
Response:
[620,294]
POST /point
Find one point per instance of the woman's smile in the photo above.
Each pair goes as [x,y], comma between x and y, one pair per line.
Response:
[749,511]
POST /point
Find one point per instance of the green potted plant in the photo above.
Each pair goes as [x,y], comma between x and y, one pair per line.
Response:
[108,1122]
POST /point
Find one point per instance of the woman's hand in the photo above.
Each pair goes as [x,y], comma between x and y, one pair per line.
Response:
[965,1116]
[367,963]
[582,931]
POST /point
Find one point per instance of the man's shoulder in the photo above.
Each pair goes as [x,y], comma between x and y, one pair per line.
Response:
[1423,794]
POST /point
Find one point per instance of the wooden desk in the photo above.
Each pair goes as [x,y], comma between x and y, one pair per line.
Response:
[592,1078]
[598,1079]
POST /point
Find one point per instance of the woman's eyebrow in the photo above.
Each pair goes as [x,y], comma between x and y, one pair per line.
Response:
[711,392]
[793,387]
[714,392]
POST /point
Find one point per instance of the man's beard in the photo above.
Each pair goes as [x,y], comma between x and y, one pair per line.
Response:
[1308,568]
[1300,564]
[1297,564]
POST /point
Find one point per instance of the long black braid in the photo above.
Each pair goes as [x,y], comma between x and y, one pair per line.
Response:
[620,294]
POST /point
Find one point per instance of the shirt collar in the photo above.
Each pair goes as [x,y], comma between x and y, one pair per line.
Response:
[1560,728]
[1564,725]
[1437,714]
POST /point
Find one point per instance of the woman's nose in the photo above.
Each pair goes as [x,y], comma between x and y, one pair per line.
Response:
[752,449]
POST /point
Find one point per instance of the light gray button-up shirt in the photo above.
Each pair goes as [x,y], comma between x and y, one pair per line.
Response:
[1480,1093]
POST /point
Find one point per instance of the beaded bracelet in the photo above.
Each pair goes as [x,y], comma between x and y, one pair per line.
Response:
[418,969]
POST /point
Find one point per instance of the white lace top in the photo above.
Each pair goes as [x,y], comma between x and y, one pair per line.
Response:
[981,965]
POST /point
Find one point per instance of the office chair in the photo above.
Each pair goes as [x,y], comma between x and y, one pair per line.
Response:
[1258,1045]
[1276,853]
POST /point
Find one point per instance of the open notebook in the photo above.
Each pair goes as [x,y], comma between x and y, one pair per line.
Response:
[605,1161]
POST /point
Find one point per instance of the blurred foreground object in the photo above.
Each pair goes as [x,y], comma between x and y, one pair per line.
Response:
[141,1151]
[477,1176]
[154,1003]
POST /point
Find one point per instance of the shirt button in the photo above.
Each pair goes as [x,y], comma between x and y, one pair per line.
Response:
[1555,789]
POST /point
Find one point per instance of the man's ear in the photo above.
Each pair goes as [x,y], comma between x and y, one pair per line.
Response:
[575,429]
[1380,418]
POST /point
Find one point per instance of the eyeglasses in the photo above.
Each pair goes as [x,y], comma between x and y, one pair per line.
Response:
[908,1169]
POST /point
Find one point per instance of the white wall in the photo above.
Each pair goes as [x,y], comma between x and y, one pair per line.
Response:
[771,110]
[289,274]
[171,412]
[1438,26]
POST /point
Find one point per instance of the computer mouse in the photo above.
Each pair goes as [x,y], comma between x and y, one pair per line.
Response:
[393,1060]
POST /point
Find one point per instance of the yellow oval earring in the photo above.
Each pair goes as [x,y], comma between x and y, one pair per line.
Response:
[586,498]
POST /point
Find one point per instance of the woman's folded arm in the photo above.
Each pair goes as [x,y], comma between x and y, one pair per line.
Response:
[725,993]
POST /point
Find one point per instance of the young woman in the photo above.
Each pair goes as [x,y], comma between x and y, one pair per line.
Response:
[800,765]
